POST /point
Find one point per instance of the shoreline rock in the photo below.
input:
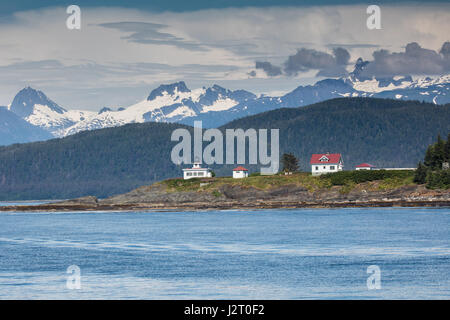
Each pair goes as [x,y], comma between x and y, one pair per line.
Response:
[157,198]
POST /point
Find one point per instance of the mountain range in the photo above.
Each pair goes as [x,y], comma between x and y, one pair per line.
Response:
[215,106]
[382,132]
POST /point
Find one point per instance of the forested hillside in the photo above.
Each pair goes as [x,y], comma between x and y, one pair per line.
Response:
[382,132]
[100,162]
[115,160]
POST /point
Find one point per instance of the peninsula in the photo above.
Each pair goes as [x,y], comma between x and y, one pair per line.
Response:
[297,190]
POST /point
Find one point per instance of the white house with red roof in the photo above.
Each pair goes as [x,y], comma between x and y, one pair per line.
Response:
[325,163]
[240,172]
[365,166]
[196,172]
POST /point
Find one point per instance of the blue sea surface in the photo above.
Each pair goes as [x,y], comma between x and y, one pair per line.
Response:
[261,254]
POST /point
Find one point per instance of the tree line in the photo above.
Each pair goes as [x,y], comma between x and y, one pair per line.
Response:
[434,170]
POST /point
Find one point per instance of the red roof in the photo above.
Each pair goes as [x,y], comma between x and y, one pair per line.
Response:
[333,158]
[365,165]
[240,169]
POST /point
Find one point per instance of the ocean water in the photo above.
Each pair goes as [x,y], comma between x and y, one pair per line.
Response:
[24,203]
[261,254]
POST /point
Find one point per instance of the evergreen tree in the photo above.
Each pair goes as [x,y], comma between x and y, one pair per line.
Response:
[432,172]
[290,162]
[447,149]
[439,153]
[420,175]
[429,157]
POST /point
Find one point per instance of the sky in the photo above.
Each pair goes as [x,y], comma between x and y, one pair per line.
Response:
[127,48]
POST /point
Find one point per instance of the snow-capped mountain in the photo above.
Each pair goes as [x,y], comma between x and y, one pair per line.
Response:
[216,106]
[435,90]
[167,103]
[27,99]
[36,108]
[429,89]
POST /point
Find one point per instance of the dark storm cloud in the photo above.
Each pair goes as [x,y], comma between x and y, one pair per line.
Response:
[331,65]
[8,7]
[149,33]
[270,69]
[415,60]
[445,50]
[341,55]
[307,59]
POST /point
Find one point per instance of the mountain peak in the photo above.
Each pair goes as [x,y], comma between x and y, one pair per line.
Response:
[360,66]
[169,89]
[105,109]
[25,100]
[218,88]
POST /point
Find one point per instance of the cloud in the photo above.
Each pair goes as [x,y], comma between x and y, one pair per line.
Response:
[93,85]
[352,45]
[342,56]
[414,60]
[331,65]
[445,50]
[268,68]
[149,33]
[129,48]
[306,59]
[333,72]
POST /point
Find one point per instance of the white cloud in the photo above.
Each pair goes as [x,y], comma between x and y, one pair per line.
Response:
[37,48]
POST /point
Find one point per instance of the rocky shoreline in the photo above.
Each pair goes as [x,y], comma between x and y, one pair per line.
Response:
[230,197]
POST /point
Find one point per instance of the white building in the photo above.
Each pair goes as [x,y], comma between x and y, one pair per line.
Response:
[365,166]
[325,163]
[240,172]
[196,172]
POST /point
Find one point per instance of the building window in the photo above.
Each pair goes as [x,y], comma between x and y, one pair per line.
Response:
[331,167]
[324,167]
[317,168]
[200,174]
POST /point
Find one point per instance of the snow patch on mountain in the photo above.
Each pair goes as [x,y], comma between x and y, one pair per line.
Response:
[45,117]
[427,81]
[373,85]
[53,121]
[167,103]
[216,105]
[220,105]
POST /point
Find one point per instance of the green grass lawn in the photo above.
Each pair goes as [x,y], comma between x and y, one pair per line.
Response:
[347,180]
